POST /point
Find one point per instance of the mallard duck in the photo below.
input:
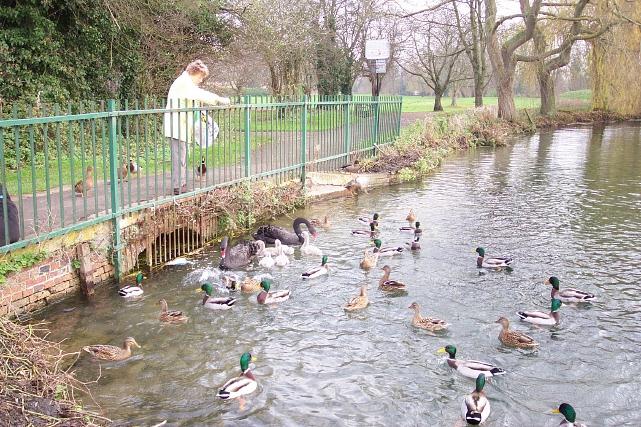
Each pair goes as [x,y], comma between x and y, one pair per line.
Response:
[415,244]
[496,263]
[358,302]
[325,223]
[372,232]
[250,285]
[171,316]
[411,216]
[367,221]
[123,171]
[541,318]
[219,303]
[568,295]
[309,249]
[430,323]
[269,233]
[369,260]
[281,259]
[476,408]
[267,261]
[241,385]
[133,166]
[352,167]
[86,184]
[112,352]
[201,170]
[266,297]
[389,285]
[469,368]
[230,282]
[388,251]
[569,414]
[415,229]
[238,255]
[514,338]
[131,290]
[317,271]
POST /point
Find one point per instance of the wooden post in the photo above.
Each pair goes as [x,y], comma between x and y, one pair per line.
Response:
[86,271]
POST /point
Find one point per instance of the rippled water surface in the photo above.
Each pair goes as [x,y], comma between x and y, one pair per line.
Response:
[564,203]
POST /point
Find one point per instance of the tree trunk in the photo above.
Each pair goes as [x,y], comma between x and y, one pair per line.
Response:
[437,101]
[453,103]
[478,88]
[507,109]
[546,87]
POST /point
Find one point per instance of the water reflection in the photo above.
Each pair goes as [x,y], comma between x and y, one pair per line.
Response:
[563,203]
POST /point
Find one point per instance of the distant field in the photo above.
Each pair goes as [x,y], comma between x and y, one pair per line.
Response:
[421,104]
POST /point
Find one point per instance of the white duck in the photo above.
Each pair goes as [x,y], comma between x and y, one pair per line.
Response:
[309,249]
[287,250]
[267,261]
[281,259]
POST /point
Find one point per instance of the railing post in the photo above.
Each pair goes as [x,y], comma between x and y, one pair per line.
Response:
[347,127]
[113,177]
[303,140]
[398,116]
[375,120]
[248,140]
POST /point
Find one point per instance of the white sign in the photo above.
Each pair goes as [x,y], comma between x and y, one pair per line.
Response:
[377,49]
[380,66]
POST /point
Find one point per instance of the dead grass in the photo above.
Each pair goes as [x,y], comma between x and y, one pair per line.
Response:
[34,388]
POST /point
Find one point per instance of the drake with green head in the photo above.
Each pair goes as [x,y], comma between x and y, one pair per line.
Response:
[367,221]
[243,384]
[215,303]
[469,368]
[495,263]
[476,408]
[266,297]
[412,228]
[317,271]
[387,251]
[372,232]
[569,414]
[568,295]
[132,290]
[541,318]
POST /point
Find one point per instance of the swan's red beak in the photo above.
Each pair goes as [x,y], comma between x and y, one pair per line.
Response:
[222,253]
[315,235]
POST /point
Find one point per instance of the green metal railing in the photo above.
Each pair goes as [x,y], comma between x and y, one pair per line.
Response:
[119,154]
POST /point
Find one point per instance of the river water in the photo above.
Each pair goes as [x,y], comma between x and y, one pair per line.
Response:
[564,203]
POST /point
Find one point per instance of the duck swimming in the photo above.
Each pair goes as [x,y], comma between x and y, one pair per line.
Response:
[367,221]
[512,338]
[429,323]
[215,303]
[415,229]
[132,291]
[372,232]
[240,255]
[569,414]
[358,302]
[309,249]
[112,352]
[469,368]
[266,297]
[496,263]
[269,233]
[476,408]
[387,251]
[541,318]
[568,295]
[317,271]
[244,384]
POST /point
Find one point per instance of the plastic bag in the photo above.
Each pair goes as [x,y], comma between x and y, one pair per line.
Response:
[205,130]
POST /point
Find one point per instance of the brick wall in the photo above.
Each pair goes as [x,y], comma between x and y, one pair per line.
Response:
[47,282]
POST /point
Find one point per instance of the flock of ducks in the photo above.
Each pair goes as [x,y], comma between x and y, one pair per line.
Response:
[475,407]
[82,187]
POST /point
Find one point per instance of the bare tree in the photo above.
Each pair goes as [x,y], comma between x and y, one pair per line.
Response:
[433,52]
[473,38]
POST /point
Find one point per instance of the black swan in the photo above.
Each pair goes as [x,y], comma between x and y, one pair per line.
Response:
[269,233]
[12,219]
[239,255]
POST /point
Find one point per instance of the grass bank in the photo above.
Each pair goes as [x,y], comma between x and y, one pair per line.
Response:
[423,145]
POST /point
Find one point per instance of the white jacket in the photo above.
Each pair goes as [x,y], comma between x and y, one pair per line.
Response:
[184,93]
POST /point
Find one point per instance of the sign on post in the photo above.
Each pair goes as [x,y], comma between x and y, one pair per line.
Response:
[377,49]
